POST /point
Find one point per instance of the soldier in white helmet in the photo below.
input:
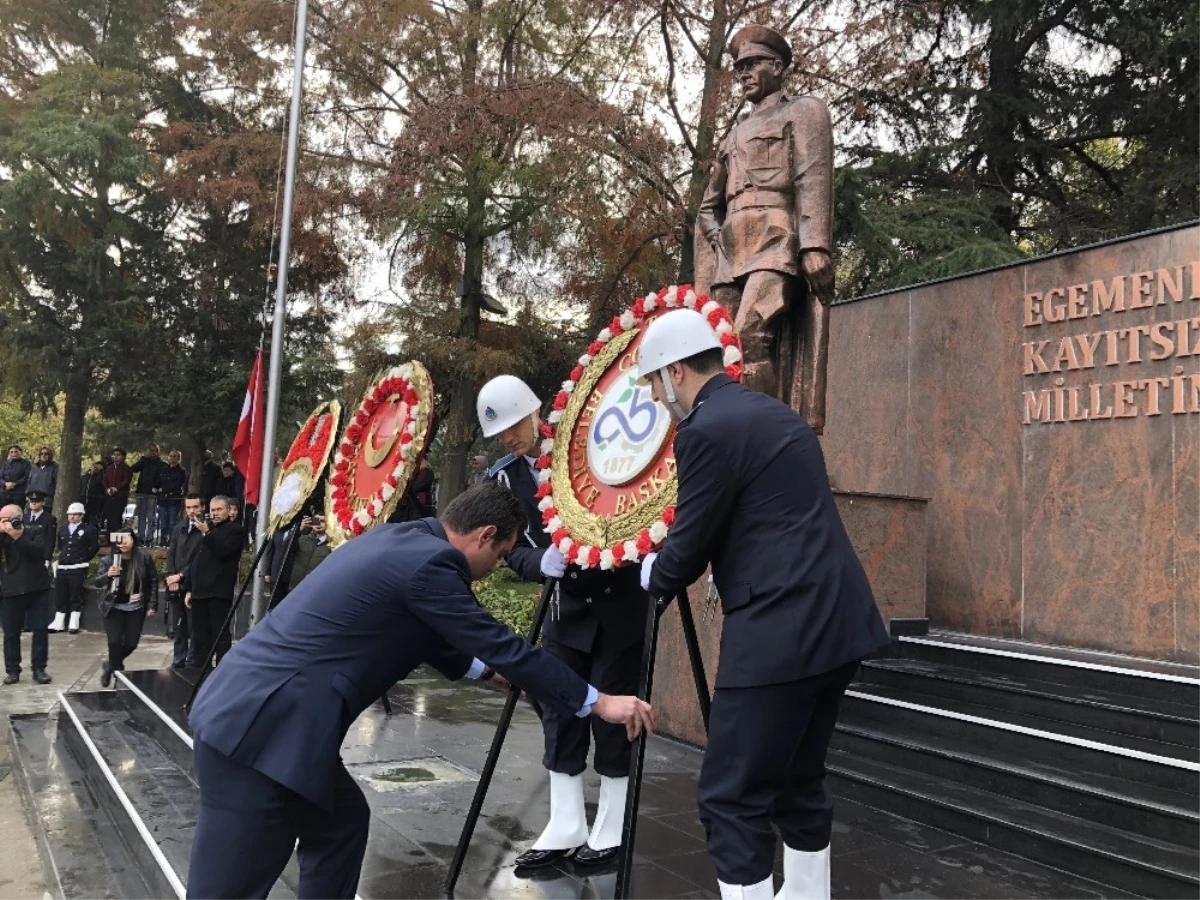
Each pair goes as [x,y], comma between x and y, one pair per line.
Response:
[595,625]
[755,503]
[78,544]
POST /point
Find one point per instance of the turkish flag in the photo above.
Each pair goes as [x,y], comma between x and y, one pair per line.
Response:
[248,442]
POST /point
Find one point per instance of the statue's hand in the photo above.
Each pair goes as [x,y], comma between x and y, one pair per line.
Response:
[818,273]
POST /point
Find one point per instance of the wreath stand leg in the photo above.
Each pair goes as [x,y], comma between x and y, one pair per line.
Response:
[489,767]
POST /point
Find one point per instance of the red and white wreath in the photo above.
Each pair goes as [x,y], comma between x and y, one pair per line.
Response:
[589,556]
[408,384]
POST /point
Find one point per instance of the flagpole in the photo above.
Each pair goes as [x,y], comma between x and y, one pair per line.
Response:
[258,606]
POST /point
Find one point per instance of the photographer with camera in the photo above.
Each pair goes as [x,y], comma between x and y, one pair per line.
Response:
[185,541]
[24,592]
[312,547]
[211,577]
[132,582]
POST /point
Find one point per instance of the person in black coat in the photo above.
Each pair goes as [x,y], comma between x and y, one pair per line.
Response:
[78,544]
[755,503]
[185,541]
[596,626]
[91,493]
[14,477]
[170,485]
[269,723]
[131,578]
[211,578]
[209,473]
[24,592]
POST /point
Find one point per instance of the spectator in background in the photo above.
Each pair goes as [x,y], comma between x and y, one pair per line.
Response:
[91,494]
[209,473]
[276,565]
[24,585]
[147,468]
[211,577]
[78,544]
[14,477]
[311,548]
[231,484]
[117,477]
[169,489]
[37,514]
[43,474]
[417,502]
[129,574]
[479,471]
[185,541]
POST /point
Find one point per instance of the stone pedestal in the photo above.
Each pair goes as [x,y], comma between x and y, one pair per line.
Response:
[888,533]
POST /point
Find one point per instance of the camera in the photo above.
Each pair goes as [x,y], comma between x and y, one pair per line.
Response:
[15,521]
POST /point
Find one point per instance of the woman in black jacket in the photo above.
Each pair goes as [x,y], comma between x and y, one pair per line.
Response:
[132,582]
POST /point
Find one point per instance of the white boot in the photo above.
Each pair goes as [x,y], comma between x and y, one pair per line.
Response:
[74,626]
[761,891]
[567,827]
[59,623]
[805,875]
[610,814]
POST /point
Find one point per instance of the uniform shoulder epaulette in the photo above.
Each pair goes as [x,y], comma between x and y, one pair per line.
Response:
[503,463]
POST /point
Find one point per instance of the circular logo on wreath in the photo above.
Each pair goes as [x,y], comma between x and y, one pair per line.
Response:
[305,463]
[606,475]
[628,431]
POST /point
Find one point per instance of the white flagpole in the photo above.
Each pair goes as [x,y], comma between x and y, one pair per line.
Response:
[267,484]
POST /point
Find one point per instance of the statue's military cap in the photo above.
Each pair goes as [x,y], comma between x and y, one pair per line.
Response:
[757,42]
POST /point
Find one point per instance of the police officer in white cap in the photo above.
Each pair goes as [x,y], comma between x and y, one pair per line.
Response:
[755,503]
[78,544]
[595,625]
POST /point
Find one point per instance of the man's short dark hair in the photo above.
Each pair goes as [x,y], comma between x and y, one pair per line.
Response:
[710,362]
[226,465]
[15,447]
[486,504]
[120,450]
[193,496]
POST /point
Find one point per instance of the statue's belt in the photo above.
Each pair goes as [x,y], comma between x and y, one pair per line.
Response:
[759,199]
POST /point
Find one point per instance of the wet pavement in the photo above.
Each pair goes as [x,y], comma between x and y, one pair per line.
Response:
[445,729]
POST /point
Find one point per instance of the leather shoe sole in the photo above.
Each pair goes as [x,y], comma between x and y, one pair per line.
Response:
[586,856]
[536,859]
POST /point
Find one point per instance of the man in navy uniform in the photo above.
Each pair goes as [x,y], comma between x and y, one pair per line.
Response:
[596,625]
[755,502]
[78,544]
[269,722]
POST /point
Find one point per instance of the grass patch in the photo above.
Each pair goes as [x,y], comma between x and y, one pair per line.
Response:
[509,598]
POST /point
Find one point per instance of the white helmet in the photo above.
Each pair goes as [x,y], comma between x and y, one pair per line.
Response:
[503,402]
[76,508]
[674,336]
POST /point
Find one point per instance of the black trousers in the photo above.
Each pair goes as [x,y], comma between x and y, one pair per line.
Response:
[248,825]
[124,630]
[181,616]
[765,766]
[114,513]
[208,617]
[95,511]
[13,613]
[68,590]
[610,671]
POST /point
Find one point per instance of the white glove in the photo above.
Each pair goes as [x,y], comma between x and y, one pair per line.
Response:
[647,565]
[554,564]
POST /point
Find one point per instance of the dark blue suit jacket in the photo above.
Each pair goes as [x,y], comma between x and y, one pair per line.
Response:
[283,698]
[755,501]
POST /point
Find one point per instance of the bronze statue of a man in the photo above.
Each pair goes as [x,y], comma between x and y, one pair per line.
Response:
[763,232]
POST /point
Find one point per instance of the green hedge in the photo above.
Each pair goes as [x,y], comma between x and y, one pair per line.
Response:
[509,599]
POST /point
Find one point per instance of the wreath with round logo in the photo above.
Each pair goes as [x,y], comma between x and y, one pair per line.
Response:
[304,464]
[607,496]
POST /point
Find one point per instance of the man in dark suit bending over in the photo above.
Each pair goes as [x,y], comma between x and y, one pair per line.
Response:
[269,723]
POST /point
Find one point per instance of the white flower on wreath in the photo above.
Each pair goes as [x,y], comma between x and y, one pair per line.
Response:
[289,494]
[658,532]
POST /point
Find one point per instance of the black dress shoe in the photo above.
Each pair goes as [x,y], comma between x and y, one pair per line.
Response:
[106,675]
[12,677]
[536,859]
[40,676]
[586,856]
